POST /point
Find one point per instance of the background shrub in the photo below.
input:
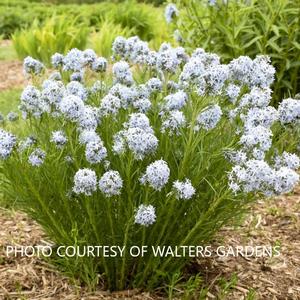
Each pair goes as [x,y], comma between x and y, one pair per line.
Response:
[10,21]
[248,28]
[144,19]
[101,40]
[58,34]
[17,14]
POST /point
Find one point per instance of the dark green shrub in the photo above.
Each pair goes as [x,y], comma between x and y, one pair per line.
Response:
[10,20]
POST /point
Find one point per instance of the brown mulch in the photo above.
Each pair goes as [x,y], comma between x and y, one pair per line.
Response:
[272,222]
[32,278]
[11,75]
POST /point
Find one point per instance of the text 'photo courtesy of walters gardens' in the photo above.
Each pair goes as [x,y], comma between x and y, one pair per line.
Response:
[135,251]
[149,149]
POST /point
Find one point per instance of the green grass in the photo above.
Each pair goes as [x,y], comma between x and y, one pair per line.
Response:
[9,100]
[7,52]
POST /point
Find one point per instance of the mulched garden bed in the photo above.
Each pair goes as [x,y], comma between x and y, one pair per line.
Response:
[272,222]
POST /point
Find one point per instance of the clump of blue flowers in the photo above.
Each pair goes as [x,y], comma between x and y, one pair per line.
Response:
[147,148]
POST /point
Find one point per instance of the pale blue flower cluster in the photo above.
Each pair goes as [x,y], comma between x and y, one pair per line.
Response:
[255,116]
[32,103]
[7,143]
[145,215]
[137,136]
[122,73]
[32,66]
[173,122]
[154,85]
[76,61]
[77,89]
[233,92]
[95,152]
[258,72]
[167,59]
[37,157]
[58,138]
[53,92]
[26,143]
[12,116]
[57,60]
[90,118]
[288,160]
[86,136]
[85,182]
[110,105]
[184,189]
[175,101]
[140,142]
[99,65]
[157,175]
[209,118]
[259,136]
[289,111]
[111,183]
[258,176]
[72,107]
[171,12]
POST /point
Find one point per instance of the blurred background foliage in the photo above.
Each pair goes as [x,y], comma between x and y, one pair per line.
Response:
[235,27]
[41,28]
[19,14]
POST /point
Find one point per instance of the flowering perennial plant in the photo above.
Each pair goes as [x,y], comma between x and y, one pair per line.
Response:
[162,148]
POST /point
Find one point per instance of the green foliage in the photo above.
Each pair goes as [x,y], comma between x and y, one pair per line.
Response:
[102,39]
[58,34]
[226,285]
[179,287]
[10,20]
[142,18]
[9,100]
[16,14]
[249,28]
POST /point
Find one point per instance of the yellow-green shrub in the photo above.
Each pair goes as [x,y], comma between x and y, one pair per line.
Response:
[57,34]
[102,39]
